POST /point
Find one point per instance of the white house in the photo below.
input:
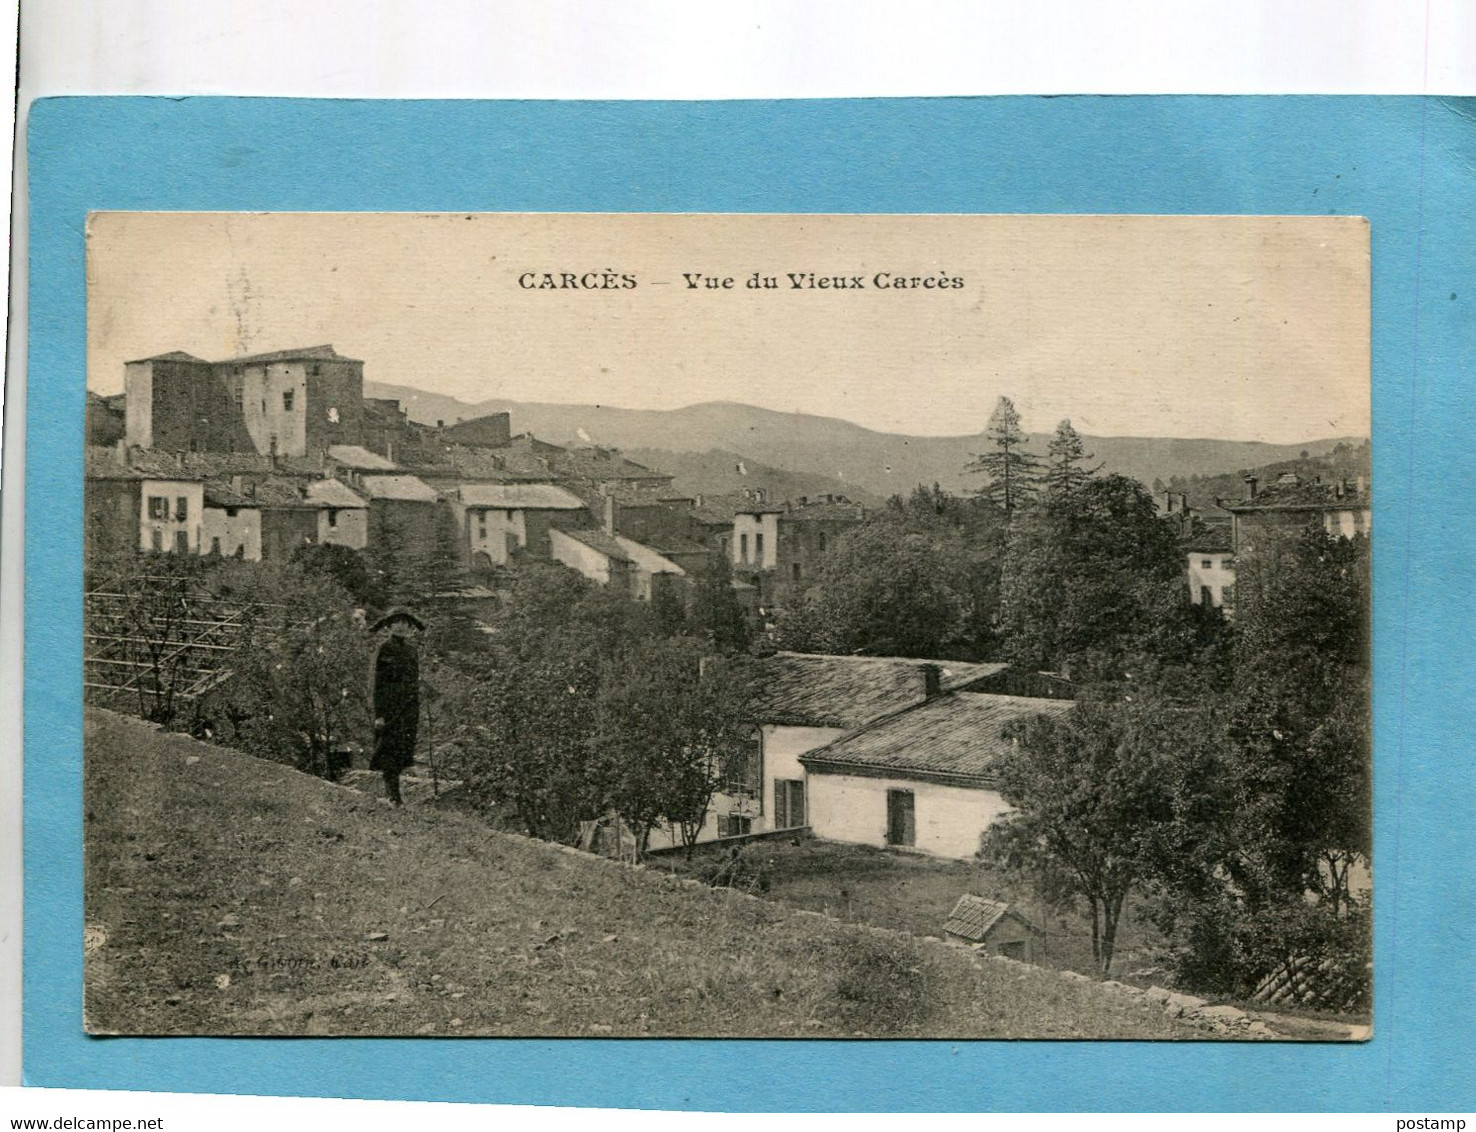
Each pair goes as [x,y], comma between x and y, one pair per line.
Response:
[343,517]
[919,778]
[231,524]
[497,518]
[808,701]
[171,513]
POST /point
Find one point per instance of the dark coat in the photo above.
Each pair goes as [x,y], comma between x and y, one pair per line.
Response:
[396,704]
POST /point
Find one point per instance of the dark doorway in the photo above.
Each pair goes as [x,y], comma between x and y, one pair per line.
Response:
[901,822]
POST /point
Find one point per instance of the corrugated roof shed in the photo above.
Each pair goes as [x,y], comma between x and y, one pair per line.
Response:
[519,497]
[816,690]
[956,736]
[407,489]
[973,917]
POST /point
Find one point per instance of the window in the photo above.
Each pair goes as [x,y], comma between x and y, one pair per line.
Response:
[287,399]
[758,548]
[742,548]
[481,524]
[1206,596]
[158,507]
[313,370]
[901,818]
[157,538]
[215,547]
[181,542]
[1207,563]
[822,542]
[733,825]
[744,772]
[789,803]
[181,509]
[796,569]
[333,516]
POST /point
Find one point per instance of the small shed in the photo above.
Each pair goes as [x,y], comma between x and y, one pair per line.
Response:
[993,927]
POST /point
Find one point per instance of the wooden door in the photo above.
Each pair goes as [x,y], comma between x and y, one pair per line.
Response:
[901,821]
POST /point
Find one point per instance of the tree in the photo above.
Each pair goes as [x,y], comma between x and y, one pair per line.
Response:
[1012,471]
[346,567]
[897,585]
[389,568]
[444,569]
[715,615]
[1065,456]
[1087,578]
[669,723]
[298,689]
[668,612]
[1092,803]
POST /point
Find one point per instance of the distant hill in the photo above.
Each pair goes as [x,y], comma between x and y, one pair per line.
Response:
[715,472]
[858,458]
[1345,461]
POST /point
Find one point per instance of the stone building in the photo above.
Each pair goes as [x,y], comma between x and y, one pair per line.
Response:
[288,402]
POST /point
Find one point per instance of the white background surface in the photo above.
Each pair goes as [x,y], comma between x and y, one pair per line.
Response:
[641,49]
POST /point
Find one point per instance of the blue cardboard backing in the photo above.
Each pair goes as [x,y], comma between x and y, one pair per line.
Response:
[1408,164]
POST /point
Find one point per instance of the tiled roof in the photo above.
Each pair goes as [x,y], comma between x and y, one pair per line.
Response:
[646,558]
[223,495]
[214,465]
[333,493]
[172,356]
[406,488]
[278,494]
[672,545]
[826,511]
[597,540]
[519,497]
[955,736]
[1300,497]
[360,459]
[815,690]
[302,353]
[142,463]
[1208,539]
[973,916]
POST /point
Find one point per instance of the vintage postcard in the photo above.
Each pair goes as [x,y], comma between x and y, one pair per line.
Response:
[688,625]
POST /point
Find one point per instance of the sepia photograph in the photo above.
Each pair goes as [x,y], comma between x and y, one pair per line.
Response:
[711,625]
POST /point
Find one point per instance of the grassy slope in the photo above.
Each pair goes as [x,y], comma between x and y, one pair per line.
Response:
[231,895]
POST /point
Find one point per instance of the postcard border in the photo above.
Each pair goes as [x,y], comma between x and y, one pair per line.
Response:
[1405,163]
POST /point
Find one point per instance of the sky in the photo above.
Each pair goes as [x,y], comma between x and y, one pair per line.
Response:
[1243,328]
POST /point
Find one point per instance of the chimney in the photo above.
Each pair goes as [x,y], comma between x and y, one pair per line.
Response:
[610,515]
[932,678]
[1250,486]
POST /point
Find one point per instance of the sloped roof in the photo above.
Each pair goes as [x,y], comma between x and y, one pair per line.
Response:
[648,559]
[817,690]
[407,488]
[1299,496]
[278,494]
[303,353]
[360,459]
[333,493]
[1209,539]
[219,494]
[973,917]
[519,497]
[172,356]
[141,463]
[956,737]
[215,465]
[832,511]
[596,540]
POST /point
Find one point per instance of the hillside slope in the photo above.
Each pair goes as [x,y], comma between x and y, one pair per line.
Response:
[226,895]
[859,458]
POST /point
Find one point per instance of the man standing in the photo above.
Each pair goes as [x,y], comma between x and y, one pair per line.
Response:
[396,699]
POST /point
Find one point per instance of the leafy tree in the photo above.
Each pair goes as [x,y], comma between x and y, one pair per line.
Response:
[715,615]
[299,687]
[1012,472]
[668,612]
[896,585]
[1093,803]
[1087,577]
[1066,456]
[668,727]
[346,567]
[390,569]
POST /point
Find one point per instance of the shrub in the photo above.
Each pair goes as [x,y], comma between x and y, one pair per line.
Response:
[883,985]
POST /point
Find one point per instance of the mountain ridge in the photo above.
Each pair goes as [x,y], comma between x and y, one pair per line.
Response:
[852,456]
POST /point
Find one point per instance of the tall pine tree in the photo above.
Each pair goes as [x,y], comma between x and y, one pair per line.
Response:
[1066,456]
[1013,472]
